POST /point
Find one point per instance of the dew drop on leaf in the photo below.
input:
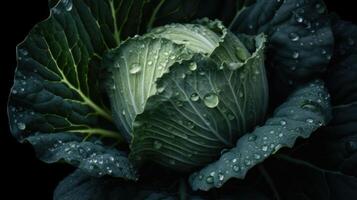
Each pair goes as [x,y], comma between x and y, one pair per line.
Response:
[252,138]
[21,126]
[247,162]
[299,19]
[220,177]
[294,37]
[209,179]
[310,121]
[135,68]
[234,65]
[160,89]
[265,148]
[257,156]
[195,97]
[236,168]
[211,100]
[192,66]
[296,55]
[68,4]
[283,122]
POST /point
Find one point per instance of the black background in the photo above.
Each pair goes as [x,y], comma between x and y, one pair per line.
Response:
[21,174]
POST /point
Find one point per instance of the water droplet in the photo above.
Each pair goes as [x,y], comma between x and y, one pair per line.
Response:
[157,145]
[234,160]
[211,100]
[192,66]
[220,177]
[252,138]
[202,73]
[195,97]
[294,37]
[247,162]
[310,121]
[160,89]
[209,179]
[323,52]
[179,104]
[234,65]
[299,19]
[21,126]
[310,106]
[281,135]
[14,91]
[150,63]
[257,156]
[276,148]
[236,168]
[296,55]
[265,148]
[172,57]
[283,122]
[68,4]
[135,68]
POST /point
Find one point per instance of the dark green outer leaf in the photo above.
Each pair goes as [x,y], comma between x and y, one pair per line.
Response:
[335,147]
[342,74]
[56,89]
[300,39]
[90,156]
[306,110]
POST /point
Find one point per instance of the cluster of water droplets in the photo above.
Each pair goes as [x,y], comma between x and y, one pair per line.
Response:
[277,133]
[19,118]
[314,39]
[92,158]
